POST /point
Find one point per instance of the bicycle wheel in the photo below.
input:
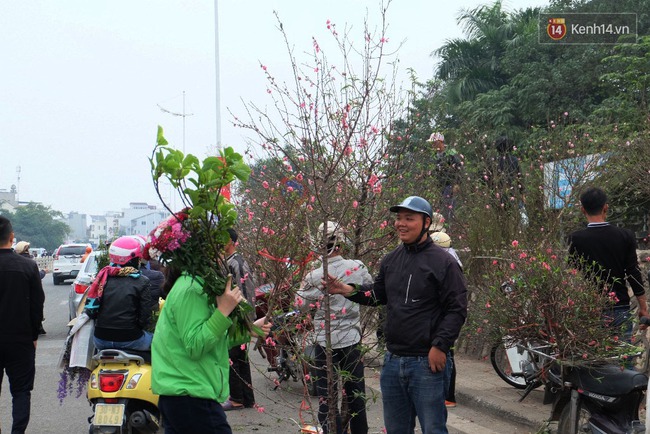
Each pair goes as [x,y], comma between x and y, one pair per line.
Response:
[501,365]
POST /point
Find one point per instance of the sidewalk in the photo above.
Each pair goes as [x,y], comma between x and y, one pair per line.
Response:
[478,387]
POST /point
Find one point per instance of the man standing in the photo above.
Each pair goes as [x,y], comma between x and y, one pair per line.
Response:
[425,294]
[21,313]
[607,254]
[448,167]
[241,389]
[345,332]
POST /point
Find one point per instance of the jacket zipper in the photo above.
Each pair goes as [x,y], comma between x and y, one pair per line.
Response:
[408,287]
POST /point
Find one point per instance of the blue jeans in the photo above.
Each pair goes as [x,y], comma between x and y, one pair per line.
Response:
[409,388]
[141,344]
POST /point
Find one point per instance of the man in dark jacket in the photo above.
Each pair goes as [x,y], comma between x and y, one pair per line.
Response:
[425,294]
[21,313]
[607,254]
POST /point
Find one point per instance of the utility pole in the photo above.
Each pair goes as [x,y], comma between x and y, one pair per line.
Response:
[182,114]
[17,184]
[217,78]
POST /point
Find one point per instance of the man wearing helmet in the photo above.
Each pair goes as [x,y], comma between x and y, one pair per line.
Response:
[425,294]
[119,300]
[345,330]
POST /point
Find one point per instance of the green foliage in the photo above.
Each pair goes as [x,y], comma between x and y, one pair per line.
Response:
[40,225]
[193,239]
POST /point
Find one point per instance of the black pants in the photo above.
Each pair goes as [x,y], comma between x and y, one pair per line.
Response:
[241,389]
[347,360]
[184,415]
[17,359]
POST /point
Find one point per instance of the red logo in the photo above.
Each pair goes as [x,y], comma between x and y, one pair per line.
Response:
[556,28]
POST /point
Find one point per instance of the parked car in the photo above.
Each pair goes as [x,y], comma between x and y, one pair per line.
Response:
[82,282]
[67,262]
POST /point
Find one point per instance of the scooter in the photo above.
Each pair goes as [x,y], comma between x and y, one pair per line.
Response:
[119,390]
[599,399]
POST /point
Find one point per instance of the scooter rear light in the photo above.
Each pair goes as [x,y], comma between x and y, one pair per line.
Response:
[111,382]
[79,288]
[133,382]
[111,400]
[93,381]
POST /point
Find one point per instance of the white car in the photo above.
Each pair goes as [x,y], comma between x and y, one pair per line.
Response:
[67,262]
[82,282]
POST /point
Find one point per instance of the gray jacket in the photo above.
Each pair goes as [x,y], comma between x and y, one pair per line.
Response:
[345,322]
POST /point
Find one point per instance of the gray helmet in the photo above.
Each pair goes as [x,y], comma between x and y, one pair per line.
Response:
[414,203]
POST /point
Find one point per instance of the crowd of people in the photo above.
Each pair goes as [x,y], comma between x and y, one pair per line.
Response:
[200,373]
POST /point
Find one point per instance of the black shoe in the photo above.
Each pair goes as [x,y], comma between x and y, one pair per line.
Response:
[42,331]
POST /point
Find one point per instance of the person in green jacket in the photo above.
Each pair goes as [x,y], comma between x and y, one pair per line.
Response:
[190,357]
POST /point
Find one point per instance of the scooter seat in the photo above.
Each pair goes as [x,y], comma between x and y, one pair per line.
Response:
[607,380]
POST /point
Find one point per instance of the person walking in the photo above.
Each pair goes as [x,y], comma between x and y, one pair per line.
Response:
[22,248]
[21,313]
[448,171]
[425,293]
[607,254]
[241,385]
[345,332]
[119,299]
[190,347]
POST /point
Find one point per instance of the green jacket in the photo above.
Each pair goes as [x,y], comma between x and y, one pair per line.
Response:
[190,346]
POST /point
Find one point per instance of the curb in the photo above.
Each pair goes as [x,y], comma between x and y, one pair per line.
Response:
[484,405]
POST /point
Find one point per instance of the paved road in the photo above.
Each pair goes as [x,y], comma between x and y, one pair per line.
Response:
[281,411]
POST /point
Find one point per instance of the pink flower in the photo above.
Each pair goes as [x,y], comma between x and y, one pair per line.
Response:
[348,272]
[367,293]
[488,305]
[515,243]
[307,377]
[344,311]
[355,204]
[261,409]
[265,184]
[512,265]
[242,347]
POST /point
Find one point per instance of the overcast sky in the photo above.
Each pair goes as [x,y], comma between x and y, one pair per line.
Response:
[81,81]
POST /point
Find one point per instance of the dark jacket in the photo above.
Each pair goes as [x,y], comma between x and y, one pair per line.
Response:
[425,295]
[125,308]
[156,282]
[607,254]
[21,298]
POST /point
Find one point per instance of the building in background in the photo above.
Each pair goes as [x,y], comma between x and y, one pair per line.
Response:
[78,227]
[140,218]
[8,200]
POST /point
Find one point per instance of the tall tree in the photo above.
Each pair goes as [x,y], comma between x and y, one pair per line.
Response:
[40,225]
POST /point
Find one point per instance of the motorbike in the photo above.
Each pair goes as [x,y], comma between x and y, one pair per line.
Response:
[119,391]
[598,398]
[287,352]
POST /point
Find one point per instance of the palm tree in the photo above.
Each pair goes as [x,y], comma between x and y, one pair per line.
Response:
[472,66]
